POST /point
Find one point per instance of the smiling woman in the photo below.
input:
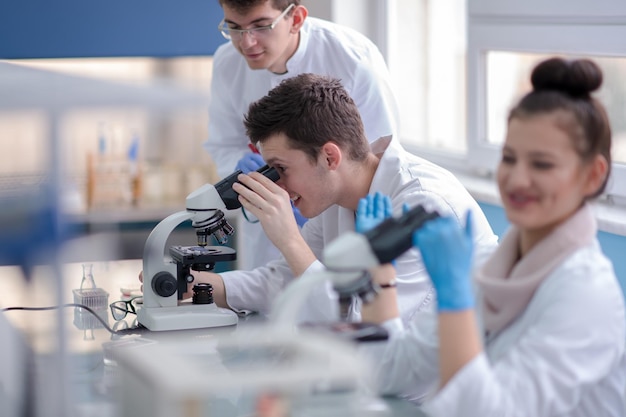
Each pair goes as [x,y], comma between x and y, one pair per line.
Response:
[557,151]
[541,177]
[511,328]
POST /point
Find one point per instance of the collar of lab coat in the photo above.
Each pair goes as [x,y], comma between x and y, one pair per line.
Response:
[388,151]
[296,58]
[508,284]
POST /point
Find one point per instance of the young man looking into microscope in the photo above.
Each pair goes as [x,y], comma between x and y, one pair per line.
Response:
[271,40]
[310,130]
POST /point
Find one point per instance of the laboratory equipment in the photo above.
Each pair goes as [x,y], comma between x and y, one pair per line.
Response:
[89,294]
[348,260]
[97,299]
[166,279]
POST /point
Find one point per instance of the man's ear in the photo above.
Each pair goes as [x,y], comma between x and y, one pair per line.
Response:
[299,15]
[331,155]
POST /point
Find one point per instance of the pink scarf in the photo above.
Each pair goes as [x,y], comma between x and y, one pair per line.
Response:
[508,284]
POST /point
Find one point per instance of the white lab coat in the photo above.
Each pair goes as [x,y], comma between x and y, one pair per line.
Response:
[405,178]
[564,356]
[325,48]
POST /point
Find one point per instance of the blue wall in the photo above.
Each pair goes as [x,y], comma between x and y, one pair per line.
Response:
[113,28]
[614,246]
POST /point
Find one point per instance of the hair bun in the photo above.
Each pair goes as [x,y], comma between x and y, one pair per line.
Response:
[577,78]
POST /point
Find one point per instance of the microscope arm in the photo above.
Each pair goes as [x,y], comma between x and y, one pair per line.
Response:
[155,263]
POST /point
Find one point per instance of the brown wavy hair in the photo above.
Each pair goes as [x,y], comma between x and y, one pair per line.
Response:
[310,110]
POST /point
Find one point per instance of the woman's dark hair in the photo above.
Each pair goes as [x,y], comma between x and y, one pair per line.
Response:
[565,86]
[242,6]
[310,110]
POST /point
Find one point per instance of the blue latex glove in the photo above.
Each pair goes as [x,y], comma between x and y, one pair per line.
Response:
[250,162]
[371,211]
[447,251]
[300,219]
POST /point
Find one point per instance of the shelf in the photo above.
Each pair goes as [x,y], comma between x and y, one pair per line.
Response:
[24,87]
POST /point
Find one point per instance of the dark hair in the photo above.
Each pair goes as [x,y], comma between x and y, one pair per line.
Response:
[566,86]
[310,110]
[242,6]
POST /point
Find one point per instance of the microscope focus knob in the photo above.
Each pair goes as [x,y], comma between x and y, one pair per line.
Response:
[202,294]
[164,284]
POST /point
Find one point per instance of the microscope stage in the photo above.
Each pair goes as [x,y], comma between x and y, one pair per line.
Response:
[202,254]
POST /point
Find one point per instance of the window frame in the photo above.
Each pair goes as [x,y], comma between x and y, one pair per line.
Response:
[555,27]
[532,35]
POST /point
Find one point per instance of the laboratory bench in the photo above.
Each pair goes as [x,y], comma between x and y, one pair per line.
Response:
[91,374]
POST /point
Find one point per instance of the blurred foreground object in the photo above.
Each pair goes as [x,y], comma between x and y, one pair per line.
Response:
[15,376]
[32,228]
[348,260]
[315,376]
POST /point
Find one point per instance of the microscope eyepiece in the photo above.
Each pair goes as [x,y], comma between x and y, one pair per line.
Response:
[394,236]
[225,186]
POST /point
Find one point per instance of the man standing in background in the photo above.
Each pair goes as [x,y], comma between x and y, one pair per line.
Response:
[272,40]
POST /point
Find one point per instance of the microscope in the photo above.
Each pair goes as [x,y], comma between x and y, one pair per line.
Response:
[166,278]
[348,260]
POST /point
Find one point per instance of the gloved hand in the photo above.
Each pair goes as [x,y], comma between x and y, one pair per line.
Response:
[300,219]
[371,211]
[447,251]
[250,162]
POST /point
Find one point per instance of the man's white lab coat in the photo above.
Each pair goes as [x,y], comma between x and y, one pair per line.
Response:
[325,48]
[406,179]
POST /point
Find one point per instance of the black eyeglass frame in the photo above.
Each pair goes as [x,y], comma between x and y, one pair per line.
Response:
[123,307]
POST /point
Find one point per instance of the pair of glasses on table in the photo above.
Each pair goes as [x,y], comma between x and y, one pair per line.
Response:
[120,309]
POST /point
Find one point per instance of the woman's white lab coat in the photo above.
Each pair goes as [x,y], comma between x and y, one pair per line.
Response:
[564,356]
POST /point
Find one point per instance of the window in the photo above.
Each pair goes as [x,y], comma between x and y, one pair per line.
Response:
[461,64]
[427,54]
[507,82]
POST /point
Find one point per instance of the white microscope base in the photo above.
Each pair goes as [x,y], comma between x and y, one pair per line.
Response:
[186,316]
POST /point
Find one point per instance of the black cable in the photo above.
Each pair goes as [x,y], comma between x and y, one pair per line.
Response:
[245,215]
[104,323]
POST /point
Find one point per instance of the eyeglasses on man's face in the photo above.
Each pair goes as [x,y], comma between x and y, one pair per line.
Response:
[256,32]
[119,309]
